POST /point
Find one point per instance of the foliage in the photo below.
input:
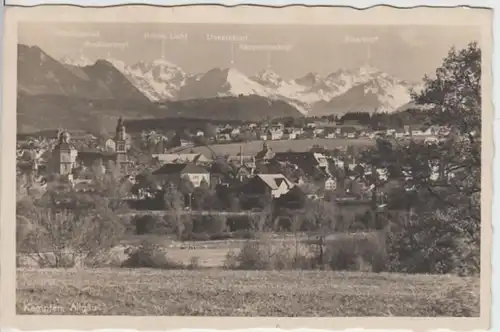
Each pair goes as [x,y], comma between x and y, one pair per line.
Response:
[65,226]
[150,255]
[441,180]
[177,218]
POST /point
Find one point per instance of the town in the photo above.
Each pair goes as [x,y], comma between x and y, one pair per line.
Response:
[159,157]
[248,183]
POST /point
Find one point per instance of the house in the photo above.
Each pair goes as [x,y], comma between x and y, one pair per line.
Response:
[390,132]
[90,157]
[318,131]
[242,160]
[311,163]
[415,130]
[290,134]
[349,132]
[244,172]
[432,130]
[399,133]
[175,173]
[277,126]
[172,158]
[222,137]
[235,132]
[273,184]
[265,154]
[185,142]
[274,134]
[330,132]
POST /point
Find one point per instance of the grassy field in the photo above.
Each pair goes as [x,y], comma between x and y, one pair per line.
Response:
[214,292]
[300,145]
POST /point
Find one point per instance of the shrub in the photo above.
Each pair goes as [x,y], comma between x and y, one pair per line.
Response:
[148,224]
[349,253]
[268,255]
[60,238]
[194,263]
[150,255]
[353,253]
[434,243]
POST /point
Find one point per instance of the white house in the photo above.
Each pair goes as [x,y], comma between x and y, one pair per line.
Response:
[275,135]
[276,184]
[235,132]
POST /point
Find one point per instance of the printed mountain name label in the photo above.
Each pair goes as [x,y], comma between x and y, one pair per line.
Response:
[78,34]
[361,40]
[233,38]
[166,36]
[101,44]
[265,47]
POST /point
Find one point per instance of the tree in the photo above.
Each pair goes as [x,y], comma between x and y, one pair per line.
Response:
[443,178]
[64,226]
[174,204]
[210,131]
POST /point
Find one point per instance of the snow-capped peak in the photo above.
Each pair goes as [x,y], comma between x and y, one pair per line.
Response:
[268,77]
[80,61]
[118,64]
[367,69]
[309,79]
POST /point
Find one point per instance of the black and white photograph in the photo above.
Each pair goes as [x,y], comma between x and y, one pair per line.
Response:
[250,169]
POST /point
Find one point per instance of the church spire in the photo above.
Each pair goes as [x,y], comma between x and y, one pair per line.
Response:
[120,129]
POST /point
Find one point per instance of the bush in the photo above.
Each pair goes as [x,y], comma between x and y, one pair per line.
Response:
[268,255]
[149,224]
[349,253]
[194,263]
[434,243]
[367,253]
[61,238]
[212,224]
[150,255]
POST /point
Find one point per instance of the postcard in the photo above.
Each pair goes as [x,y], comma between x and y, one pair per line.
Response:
[235,167]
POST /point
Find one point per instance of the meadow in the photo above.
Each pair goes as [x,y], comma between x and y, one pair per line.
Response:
[299,145]
[217,292]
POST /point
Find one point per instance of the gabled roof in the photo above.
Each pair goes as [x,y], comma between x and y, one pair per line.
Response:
[187,168]
[274,181]
[180,157]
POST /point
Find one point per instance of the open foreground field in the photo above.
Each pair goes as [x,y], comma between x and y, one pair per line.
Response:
[300,145]
[215,292]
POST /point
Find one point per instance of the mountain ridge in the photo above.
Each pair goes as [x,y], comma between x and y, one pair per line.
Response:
[308,93]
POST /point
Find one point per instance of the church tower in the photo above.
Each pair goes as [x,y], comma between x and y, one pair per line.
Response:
[64,155]
[121,147]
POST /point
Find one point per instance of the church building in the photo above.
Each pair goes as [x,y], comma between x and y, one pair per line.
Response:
[66,158]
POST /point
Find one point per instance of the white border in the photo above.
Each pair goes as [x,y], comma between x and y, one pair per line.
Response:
[495,4]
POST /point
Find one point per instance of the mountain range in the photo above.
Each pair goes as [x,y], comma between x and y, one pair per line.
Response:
[160,88]
[365,89]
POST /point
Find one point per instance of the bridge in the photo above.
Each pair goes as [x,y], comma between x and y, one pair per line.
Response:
[190,212]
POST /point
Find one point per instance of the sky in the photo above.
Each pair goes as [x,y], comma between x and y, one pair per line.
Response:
[407,52]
